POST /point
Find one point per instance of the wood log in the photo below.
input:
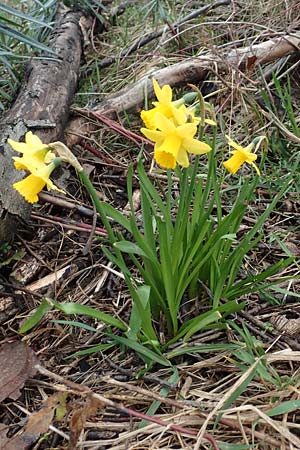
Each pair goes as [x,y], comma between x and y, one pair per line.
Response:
[190,70]
[42,106]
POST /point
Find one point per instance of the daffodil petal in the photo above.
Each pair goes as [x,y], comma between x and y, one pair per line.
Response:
[52,186]
[171,144]
[164,94]
[196,147]
[256,168]
[34,161]
[20,147]
[153,135]
[50,156]
[188,130]
[33,141]
[249,157]
[18,163]
[182,158]
[233,144]
[148,118]
[234,163]
[164,124]
[44,173]
[210,122]
[179,115]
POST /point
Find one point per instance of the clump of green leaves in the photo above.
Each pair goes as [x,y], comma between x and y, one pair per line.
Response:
[183,248]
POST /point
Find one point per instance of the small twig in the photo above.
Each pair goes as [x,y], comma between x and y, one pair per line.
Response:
[132,373]
[66,204]
[70,226]
[136,138]
[147,393]
[94,151]
[34,254]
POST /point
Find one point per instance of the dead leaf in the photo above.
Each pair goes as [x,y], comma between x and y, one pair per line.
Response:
[79,417]
[251,60]
[39,422]
[13,443]
[17,362]
[287,322]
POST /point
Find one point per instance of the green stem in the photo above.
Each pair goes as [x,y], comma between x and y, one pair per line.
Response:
[98,205]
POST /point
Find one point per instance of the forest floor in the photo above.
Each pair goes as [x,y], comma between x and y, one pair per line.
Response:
[59,256]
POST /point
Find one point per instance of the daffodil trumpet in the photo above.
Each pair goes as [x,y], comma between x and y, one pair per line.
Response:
[30,186]
[172,144]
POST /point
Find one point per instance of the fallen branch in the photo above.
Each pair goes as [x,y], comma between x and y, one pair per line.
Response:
[42,105]
[190,70]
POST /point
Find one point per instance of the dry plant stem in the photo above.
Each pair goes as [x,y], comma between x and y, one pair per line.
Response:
[190,70]
[156,34]
[66,204]
[84,390]
[95,151]
[258,434]
[224,398]
[70,226]
[145,392]
[136,138]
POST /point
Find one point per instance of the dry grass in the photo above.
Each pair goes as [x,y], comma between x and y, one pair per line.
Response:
[205,380]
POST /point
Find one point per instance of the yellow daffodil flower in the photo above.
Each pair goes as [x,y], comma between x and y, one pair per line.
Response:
[34,161]
[30,186]
[35,153]
[164,106]
[172,144]
[240,156]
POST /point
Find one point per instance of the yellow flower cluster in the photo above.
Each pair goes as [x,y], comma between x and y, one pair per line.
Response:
[172,126]
[39,160]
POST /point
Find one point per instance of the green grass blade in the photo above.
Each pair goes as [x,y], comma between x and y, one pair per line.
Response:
[246,378]
[116,215]
[74,323]
[142,351]
[169,281]
[21,37]
[75,308]
[21,15]
[130,248]
[90,350]
[205,348]
[284,408]
[37,316]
